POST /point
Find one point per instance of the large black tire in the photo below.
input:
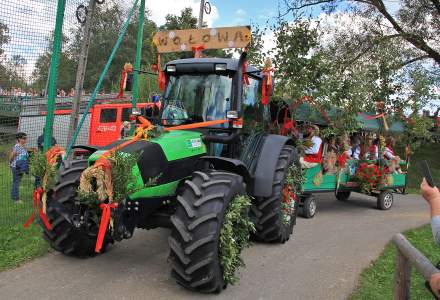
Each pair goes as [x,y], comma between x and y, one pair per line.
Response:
[64,237]
[385,200]
[194,240]
[342,195]
[267,212]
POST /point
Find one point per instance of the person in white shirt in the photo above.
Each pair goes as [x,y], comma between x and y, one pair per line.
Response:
[313,153]
[355,150]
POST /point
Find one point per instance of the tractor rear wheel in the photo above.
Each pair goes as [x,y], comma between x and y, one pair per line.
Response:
[64,236]
[269,213]
[194,240]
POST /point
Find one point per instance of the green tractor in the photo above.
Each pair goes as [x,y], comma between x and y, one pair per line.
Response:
[199,173]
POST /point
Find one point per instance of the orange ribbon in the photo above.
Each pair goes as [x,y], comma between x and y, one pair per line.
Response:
[105,219]
[267,86]
[43,217]
[197,125]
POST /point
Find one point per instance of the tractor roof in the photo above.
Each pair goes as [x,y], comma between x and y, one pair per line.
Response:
[207,65]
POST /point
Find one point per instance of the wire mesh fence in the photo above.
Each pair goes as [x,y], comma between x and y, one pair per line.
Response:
[27,34]
[26,40]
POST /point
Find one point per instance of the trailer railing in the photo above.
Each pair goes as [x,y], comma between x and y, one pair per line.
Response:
[408,255]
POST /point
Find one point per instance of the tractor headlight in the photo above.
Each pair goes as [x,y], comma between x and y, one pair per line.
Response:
[171,69]
[220,67]
[232,114]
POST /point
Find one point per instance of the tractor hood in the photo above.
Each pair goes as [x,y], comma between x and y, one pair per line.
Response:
[167,158]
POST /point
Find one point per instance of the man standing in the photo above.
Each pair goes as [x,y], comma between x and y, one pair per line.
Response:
[313,152]
[40,141]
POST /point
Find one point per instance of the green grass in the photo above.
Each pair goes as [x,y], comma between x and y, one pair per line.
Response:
[377,281]
[17,244]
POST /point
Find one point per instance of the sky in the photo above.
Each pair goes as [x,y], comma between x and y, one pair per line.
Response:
[224,12]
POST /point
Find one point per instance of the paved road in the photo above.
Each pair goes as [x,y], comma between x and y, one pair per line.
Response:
[322,261]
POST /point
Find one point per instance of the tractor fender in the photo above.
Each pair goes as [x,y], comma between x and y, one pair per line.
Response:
[231,165]
[267,162]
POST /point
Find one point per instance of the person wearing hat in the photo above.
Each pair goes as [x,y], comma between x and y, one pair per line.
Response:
[313,153]
[125,130]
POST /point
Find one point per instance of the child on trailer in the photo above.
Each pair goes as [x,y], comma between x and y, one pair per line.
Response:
[373,150]
[390,156]
[313,152]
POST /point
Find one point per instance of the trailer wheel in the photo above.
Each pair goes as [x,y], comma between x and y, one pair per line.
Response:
[385,200]
[342,196]
[309,207]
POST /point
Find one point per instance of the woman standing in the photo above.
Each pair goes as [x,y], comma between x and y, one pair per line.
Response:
[19,162]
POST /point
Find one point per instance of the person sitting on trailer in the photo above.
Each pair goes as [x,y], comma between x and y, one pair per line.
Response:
[373,150]
[313,153]
[390,156]
[355,149]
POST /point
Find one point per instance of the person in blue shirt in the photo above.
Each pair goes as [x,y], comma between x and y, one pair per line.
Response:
[19,163]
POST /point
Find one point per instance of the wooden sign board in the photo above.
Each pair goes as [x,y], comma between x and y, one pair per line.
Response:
[209,38]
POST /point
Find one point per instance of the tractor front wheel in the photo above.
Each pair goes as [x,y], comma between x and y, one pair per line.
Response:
[197,223]
[64,236]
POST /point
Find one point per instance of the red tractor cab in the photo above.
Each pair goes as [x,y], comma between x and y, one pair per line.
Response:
[107,120]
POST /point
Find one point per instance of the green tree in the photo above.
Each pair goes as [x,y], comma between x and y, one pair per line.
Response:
[416,23]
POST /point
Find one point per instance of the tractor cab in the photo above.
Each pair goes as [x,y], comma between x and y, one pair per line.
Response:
[213,89]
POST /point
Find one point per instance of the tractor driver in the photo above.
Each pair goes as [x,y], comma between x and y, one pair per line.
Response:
[313,152]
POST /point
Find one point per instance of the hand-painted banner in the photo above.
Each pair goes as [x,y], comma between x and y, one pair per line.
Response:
[209,38]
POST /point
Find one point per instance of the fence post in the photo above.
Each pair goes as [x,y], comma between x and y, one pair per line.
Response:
[137,63]
[402,277]
[53,73]
[80,73]
[101,78]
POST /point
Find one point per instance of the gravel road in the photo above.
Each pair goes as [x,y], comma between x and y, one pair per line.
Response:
[322,260]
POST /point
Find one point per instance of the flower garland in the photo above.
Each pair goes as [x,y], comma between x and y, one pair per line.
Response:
[293,182]
[44,166]
[234,237]
[369,177]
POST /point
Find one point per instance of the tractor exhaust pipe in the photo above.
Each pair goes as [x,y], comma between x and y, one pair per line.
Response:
[238,90]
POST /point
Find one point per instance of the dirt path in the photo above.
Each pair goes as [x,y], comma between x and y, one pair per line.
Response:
[321,261]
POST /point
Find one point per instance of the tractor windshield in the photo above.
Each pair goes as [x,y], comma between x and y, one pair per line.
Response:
[196,98]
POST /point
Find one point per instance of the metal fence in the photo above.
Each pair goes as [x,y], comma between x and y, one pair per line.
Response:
[29,93]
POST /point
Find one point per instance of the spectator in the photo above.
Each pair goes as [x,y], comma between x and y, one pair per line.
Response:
[19,162]
[40,144]
[40,141]
[432,196]
[125,130]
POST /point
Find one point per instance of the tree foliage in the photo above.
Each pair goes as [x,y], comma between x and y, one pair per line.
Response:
[417,23]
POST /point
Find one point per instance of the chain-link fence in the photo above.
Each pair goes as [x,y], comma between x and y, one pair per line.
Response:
[26,44]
